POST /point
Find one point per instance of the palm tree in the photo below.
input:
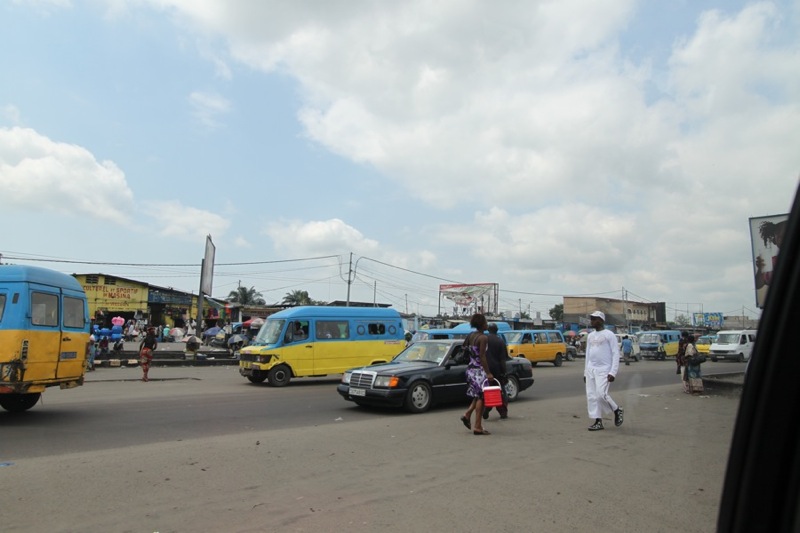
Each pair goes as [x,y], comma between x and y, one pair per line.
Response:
[297,298]
[246,296]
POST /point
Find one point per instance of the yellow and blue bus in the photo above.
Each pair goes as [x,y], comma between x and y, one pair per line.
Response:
[44,334]
[321,340]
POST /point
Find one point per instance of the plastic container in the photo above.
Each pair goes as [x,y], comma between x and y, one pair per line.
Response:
[492,394]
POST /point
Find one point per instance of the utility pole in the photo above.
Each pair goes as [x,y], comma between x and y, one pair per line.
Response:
[349,280]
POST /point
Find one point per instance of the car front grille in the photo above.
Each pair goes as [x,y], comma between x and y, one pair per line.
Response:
[362,380]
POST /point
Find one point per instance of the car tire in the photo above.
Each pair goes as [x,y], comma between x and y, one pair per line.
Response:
[17,403]
[533,363]
[418,397]
[740,358]
[279,376]
[713,359]
[512,388]
[559,360]
[257,378]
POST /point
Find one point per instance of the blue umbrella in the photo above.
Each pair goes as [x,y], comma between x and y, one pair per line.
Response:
[210,332]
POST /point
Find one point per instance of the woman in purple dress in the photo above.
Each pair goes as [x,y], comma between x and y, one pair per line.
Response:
[477,373]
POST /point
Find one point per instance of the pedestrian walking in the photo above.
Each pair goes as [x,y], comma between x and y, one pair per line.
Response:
[602,363]
[91,353]
[477,372]
[496,356]
[627,350]
[146,349]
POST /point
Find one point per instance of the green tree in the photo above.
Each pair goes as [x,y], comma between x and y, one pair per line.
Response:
[682,321]
[557,312]
[246,296]
[298,298]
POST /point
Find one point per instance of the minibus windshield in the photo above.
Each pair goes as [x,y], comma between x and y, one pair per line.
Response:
[728,338]
[270,332]
[650,338]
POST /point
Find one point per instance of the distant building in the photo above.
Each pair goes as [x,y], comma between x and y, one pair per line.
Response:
[619,313]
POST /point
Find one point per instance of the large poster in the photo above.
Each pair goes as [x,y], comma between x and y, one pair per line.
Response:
[766,235]
[471,298]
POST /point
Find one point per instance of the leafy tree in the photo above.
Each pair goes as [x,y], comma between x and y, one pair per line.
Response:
[557,312]
[682,321]
[246,296]
[298,298]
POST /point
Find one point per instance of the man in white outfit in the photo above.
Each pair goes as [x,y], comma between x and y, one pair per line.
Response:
[602,362]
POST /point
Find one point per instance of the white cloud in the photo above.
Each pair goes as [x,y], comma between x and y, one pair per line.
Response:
[173,219]
[39,173]
[322,237]
[10,113]
[207,107]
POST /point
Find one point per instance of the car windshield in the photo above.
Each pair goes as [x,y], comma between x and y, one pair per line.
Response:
[728,338]
[513,337]
[430,352]
[704,340]
[269,332]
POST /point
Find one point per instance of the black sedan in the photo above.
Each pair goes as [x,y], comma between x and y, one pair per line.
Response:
[427,372]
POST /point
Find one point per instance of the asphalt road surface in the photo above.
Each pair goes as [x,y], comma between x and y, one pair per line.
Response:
[202,449]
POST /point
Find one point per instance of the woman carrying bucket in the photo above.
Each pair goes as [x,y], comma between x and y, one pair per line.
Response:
[477,373]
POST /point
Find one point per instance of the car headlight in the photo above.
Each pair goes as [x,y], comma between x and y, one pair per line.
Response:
[346,377]
[263,359]
[386,382]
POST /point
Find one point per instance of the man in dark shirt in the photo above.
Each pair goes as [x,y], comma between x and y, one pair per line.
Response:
[496,355]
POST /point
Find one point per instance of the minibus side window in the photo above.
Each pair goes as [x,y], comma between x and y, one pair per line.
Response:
[376,329]
[555,337]
[332,329]
[44,309]
[527,339]
[2,305]
[297,331]
[73,313]
[541,338]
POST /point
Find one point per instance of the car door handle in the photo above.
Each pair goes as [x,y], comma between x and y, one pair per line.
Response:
[66,339]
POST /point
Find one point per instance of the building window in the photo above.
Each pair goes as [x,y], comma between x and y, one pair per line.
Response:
[91,279]
[111,280]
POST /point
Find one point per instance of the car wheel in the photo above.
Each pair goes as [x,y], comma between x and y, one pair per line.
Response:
[713,359]
[558,360]
[257,378]
[512,388]
[533,363]
[418,398]
[16,403]
[740,358]
[570,357]
[279,376]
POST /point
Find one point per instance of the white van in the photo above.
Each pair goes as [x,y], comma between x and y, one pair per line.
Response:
[733,344]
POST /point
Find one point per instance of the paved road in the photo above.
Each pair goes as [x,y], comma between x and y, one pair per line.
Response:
[201,449]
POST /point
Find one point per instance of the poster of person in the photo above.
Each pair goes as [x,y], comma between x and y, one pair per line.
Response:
[766,236]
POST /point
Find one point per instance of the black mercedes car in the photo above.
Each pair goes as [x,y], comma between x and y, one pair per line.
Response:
[427,372]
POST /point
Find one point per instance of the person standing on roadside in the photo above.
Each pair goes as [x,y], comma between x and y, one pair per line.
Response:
[627,350]
[680,357]
[146,349]
[477,372]
[496,355]
[602,363]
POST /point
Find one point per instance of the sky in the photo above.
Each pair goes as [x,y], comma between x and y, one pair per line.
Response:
[380,149]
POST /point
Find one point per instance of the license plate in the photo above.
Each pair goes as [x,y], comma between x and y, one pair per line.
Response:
[357,392]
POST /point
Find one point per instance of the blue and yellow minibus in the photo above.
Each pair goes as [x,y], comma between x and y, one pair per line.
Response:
[321,340]
[44,334]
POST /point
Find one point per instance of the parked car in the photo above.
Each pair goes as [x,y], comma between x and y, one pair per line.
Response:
[424,374]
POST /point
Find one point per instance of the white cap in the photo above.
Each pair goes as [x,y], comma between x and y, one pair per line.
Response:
[600,315]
